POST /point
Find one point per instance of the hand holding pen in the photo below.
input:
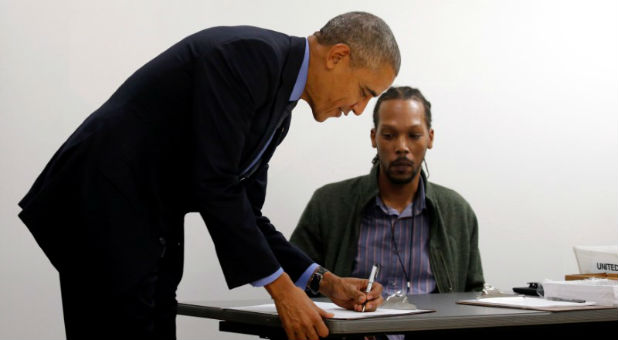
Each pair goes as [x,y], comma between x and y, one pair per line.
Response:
[351,292]
[372,277]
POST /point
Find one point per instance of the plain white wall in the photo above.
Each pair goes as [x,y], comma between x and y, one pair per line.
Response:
[525,104]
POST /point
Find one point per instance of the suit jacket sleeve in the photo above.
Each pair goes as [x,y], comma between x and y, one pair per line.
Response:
[292,259]
[231,82]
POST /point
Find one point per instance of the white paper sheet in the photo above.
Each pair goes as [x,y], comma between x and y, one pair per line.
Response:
[526,301]
[535,303]
[340,313]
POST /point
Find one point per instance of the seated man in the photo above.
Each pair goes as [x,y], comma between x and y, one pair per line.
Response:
[424,236]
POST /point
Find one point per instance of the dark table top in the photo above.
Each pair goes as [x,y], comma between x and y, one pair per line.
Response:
[448,315]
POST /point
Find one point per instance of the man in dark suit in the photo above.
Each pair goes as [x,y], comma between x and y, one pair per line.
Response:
[193,130]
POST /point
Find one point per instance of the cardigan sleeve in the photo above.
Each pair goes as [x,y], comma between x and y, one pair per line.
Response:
[474,279]
[307,235]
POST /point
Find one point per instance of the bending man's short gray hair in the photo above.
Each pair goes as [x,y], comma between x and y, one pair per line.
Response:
[370,39]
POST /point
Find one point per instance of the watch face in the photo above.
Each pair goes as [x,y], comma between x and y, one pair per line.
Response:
[314,284]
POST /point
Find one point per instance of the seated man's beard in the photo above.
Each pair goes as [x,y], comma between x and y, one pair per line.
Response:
[401,180]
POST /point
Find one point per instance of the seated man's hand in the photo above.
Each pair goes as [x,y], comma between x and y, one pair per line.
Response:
[349,292]
[300,317]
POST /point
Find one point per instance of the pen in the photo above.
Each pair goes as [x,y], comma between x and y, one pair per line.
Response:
[565,300]
[372,277]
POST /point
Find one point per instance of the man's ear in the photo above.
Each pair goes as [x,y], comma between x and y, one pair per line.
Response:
[336,54]
[373,138]
[430,144]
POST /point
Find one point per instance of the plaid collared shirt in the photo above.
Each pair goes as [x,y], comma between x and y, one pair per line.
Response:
[399,242]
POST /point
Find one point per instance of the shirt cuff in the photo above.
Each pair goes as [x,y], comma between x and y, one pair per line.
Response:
[302,281]
[269,279]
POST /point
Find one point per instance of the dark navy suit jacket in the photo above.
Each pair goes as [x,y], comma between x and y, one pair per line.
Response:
[175,138]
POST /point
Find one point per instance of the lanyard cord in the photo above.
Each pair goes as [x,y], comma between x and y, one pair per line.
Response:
[403,267]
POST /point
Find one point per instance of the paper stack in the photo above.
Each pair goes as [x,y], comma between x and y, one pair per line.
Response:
[602,291]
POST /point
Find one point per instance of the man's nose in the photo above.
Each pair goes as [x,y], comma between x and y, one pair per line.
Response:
[360,106]
[402,144]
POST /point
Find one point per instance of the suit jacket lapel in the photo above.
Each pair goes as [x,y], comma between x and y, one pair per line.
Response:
[281,108]
[275,139]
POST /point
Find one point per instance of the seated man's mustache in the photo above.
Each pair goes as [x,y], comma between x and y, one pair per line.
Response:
[402,161]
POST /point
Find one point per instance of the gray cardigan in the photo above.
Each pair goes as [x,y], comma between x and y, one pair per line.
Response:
[329,229]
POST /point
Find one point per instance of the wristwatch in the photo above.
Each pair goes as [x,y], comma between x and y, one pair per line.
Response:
[313,287]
